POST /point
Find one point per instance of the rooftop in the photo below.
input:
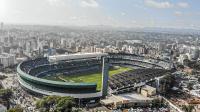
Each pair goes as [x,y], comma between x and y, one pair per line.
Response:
[75,56]
[124,98]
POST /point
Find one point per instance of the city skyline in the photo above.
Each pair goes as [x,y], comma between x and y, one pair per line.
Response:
[129,13]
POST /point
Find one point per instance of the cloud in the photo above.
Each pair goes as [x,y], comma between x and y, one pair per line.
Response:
[183,5]
[58,2]
[133,21]
[123,13]
[156,4]
[178,13]
[74,18]
[52,2]
[89,3]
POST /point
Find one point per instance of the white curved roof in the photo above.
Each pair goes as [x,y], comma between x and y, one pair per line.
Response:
[76,56]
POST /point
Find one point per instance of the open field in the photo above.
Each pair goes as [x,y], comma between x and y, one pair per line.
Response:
[88,78]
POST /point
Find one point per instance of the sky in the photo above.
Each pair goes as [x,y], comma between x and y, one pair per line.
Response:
[116,13]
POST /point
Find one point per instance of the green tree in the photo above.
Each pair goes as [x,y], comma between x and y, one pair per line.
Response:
[180,66]
[5,95]
[157,102]
[190,86]
[186,62]
[76,110]
[65,104]
[55,104]
[17,108]
[47,103]
[2,77]
[188,108]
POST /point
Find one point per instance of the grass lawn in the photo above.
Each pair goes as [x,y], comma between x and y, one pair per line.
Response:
[88,78]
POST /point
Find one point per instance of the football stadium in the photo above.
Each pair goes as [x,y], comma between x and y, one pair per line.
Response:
[89,75]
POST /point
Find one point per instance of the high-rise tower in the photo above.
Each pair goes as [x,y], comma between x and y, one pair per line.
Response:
[1,25]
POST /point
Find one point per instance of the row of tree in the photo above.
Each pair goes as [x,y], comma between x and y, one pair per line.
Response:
[55,104]
[5,95]
[189,108]
[17,108]
[46,104]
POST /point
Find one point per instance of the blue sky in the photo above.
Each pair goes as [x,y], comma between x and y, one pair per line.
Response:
[125,13]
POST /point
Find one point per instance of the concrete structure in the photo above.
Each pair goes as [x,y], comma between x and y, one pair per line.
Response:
[7,59]
[182,57]
[30,72]
[148,91]
[2,25]
[195,53]
[126,100]
[3,108]
[105,75]
[77,56]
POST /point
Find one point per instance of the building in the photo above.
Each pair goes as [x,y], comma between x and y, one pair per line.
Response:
[195,53]
[182,57]
[31,71]
[2,25]
[3,108]
[63,43]
[7,59]
[126,100]
[148,91]
[1,49]
[78,48]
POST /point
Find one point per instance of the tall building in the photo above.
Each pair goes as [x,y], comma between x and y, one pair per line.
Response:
[63,43]
[1,25]
[1,49]
[11,40]
[78,48]
[119,44]
[6,40]
[195,52]
[7,59]
[28,46]
[196,42]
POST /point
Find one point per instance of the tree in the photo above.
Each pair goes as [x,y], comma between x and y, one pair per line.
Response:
[2,77]
[186,62]
[17,108]
[77,110]
[55,104]
[158,102]
[65,104]
[190,86]
[180,66]
[188,108]
[5,95]
[47,103]
[199,79]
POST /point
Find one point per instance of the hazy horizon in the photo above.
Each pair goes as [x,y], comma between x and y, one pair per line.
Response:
[180,14]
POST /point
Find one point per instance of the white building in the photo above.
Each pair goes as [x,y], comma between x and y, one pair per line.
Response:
[182,57]
[7,59]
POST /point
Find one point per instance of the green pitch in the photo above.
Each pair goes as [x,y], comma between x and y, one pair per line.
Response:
[87,78]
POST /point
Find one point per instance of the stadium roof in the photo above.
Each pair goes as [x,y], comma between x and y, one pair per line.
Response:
[56,58]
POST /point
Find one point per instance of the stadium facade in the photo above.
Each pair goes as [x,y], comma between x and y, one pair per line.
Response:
[31,71]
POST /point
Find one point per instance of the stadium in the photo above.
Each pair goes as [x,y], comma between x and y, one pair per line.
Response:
[63,74]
